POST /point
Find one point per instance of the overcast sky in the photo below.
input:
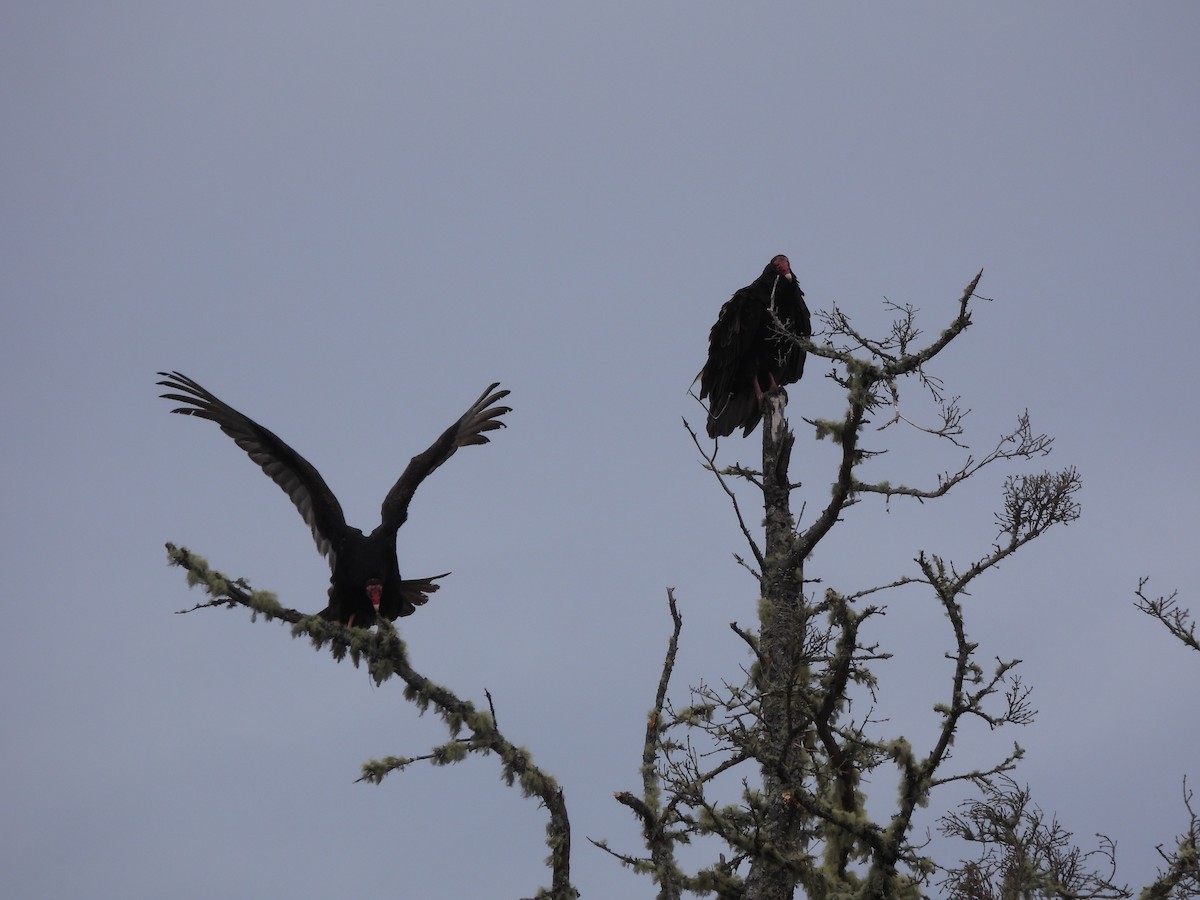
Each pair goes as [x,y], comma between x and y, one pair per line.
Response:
[347,219]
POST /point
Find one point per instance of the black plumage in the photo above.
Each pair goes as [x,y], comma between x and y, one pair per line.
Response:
[747,356]
[365,573]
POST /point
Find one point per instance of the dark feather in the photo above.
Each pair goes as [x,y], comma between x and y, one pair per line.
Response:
[470,429]
[299,479]
[746,352]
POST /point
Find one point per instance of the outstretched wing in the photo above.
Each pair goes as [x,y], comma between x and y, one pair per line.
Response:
[471,428]
[283,465]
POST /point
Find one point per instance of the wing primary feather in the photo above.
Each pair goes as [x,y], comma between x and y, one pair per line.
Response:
[298,478]
[482,416]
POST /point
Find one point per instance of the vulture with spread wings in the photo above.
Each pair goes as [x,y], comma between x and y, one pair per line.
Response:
[747,356]
[365,582]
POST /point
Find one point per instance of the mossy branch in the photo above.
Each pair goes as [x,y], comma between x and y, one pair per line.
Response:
[386,655]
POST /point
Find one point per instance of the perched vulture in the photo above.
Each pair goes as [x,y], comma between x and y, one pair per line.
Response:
[365,580]
[747,356]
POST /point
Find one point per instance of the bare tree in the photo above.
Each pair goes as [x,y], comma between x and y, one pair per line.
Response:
[791,734]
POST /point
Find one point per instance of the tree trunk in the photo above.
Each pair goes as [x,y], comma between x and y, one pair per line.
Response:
[782,672]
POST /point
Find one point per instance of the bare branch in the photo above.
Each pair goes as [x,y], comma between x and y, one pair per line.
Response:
[710,464]
[1032,504]
[1177,620]
[1020,443]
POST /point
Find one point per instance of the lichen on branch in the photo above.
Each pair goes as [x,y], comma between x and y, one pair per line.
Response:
[472,730]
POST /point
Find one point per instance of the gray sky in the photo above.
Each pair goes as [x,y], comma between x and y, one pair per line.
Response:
[347,219]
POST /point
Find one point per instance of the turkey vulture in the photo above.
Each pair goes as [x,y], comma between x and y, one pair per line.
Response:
[746,355]
[365,580]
